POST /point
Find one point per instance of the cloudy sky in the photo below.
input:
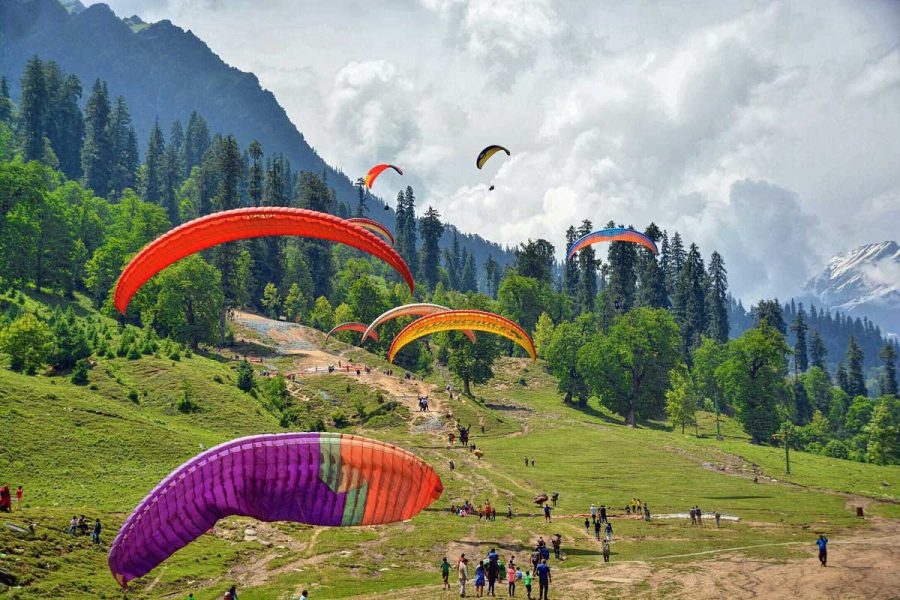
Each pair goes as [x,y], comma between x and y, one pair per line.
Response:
[766,130]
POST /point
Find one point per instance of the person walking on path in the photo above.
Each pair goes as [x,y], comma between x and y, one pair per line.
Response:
[462,569]
[822,543]
[479,580]
[609,532]
[718,518]
[445,573]
[593,513]
[597,527]
[556,542]
[587,526]
[605,550]
[603,513]
[694,516]
[547,513]
[511,580]
[527,581]
[544,579]
[699,516]
[508,510]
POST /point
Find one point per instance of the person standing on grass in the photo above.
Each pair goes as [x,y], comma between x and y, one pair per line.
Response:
[608,531]
[593,513]
[493,571]
[597,527]
[232,593]
[556,542]
[603,513]
[699,517]
[822,543]
[605,550]
[462,569]
[19,493]
[95,537]
[544,579]
[508,510]
[547,513]
[445,573]
[511,579]
[718,518]
[587,526]
[73,525]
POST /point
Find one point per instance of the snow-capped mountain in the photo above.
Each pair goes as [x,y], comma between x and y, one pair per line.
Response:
[862,282]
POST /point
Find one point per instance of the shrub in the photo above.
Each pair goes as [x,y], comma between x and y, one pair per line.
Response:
[80,372]
[340,419]
[245,376]
[133,396]
[133,352]
[187,406]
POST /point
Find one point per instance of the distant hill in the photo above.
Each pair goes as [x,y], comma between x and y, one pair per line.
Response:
[166,72]
[862,281]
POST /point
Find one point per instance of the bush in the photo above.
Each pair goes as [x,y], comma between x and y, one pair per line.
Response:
[175,355]
[522,381]
[837,449]
[187,406]
[80,372]
[379,397]
[317,425]
[133,352]
[245,376]
[340,419]
[133,396]
[217,379]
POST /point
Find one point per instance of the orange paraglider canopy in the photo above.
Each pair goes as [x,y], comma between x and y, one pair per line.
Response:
[375,171]
[454,320]
[244,223]
[350,326]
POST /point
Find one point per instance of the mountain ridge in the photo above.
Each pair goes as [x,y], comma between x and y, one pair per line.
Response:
[165,72]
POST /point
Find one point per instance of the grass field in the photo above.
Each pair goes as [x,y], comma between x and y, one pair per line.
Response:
[95,450]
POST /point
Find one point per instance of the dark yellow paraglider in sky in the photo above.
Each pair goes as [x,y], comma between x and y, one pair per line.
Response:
[487,153]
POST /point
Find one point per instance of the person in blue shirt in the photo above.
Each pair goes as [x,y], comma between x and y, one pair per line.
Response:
[608,531]
[822,543]
[547,513]
[479,579]
[544,579]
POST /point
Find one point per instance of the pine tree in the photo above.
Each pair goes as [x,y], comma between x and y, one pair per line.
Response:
[843,381]
[6,105]
[406,230]
[769,312]
[431,229]
[153,184]
[362,194]
[888,385]
[452,262]
[314,195]
[276,194]
[176,141]
[469,280]
[651,291]
[64,126]
[799,327]
[817,350]
[492,276]
[196,142]
[124,150]
[33,110]
[622,272]
[255,177]
[690,299]
[588,264]
[228,198]
[856,381]
[570,270]
[96,154]
[717,299]
[674,263]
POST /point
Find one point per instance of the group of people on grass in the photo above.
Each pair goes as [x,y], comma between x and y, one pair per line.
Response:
[423,403]
[489,571]
[80,526]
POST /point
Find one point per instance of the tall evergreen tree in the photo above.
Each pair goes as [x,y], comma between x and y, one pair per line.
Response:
[196,142]
[843,381]
[799,327]
[255,176]
[651,278]
[856,380]
[469,279]
[817,350]
[674,264]
[123,140]
[96,154]
[535,259]
[570,269]
[588,263]
[431,229]
[717,299]
[314,195]
[453,262]
[622,272]
[888,385]
[228,198]
[769,312]
[6,105]
[276,191]
[406,229]
[362,195]
[33,110]
[64,125]
[154,175]
[492,276]
[690,299]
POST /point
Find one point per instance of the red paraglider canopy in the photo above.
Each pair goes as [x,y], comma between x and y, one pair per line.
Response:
[244,223]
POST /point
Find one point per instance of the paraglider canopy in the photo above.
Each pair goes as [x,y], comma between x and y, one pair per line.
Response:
[375,171]
[612,234]
[487,153]
[350,326]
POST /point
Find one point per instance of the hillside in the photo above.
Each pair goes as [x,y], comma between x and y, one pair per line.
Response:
[95,450]
[165,73]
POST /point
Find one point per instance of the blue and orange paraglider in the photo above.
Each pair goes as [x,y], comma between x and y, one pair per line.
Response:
[613,234]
